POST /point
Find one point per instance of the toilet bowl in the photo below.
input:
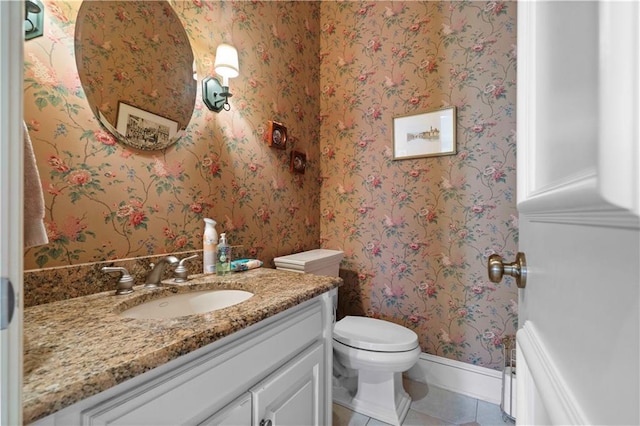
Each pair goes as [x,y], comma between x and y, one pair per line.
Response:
[370,354]
[378,352]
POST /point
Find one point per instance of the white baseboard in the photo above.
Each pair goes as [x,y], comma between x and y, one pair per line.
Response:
[466,379]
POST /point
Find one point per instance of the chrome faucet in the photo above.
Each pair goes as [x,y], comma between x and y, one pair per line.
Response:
[154,277]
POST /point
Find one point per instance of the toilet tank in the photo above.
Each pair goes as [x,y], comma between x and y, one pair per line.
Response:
[318,261]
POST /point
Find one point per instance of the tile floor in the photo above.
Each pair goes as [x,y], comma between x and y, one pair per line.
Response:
[432,406]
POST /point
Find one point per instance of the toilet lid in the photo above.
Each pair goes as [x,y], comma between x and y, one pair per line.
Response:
[374,335]
[309,261]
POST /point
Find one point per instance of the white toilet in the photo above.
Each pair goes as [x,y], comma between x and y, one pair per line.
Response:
[369,354]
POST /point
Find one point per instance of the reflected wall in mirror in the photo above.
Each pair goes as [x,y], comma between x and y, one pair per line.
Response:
[136,53]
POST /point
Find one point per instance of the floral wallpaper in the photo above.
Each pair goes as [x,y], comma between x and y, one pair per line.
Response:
[107,201]
[416,233]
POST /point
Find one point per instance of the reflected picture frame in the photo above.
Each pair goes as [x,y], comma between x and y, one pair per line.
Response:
[298,162]
[426,134]
[144,129]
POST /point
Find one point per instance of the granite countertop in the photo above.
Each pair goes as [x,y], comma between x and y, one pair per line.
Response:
[79,347]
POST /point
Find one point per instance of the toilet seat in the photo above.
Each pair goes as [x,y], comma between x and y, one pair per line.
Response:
[372,334]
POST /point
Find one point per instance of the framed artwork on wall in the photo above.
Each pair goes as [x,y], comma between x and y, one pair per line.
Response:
[277,135]
[144,129]
[428,134]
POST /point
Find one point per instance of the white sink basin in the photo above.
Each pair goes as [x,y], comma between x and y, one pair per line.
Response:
[196,302]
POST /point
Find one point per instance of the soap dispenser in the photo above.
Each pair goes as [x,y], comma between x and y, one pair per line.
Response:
[223,265]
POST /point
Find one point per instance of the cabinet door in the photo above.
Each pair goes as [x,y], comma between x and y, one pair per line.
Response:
[294,394]
[238,413]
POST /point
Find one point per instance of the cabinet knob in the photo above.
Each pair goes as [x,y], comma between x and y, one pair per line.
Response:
[518,269]
[264,422]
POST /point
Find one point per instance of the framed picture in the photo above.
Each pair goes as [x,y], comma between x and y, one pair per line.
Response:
[428,134]
[144,129]
[277,135]
[298,162]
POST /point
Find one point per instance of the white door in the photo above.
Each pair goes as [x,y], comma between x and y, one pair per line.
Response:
[578,358]
[11,65]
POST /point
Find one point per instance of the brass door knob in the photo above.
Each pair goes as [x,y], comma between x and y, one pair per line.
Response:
[518,269]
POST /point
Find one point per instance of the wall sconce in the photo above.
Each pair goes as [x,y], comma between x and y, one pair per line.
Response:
[33,19]
[215,95]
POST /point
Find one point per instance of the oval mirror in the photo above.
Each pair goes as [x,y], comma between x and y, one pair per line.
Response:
[136,67]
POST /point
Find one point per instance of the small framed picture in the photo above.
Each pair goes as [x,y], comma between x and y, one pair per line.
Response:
[277,135]
[298,162]
[428,134]
[144,129]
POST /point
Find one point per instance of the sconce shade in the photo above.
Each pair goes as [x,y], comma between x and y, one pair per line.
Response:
[226,64]
[215,94]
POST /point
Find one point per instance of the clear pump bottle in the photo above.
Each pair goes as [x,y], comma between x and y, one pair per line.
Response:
[223,265]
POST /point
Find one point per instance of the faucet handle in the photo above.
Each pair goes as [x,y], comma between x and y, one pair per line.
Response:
[181,271]
[125,282]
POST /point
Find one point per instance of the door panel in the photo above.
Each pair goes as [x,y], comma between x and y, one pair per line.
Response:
[581,305]
[11,67]
[619,150]
[578,103]
[566,115]
[579,342]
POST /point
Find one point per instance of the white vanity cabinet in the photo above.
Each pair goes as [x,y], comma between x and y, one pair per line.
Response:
[275,372]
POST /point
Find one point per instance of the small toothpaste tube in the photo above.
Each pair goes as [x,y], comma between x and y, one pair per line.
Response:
[245,264]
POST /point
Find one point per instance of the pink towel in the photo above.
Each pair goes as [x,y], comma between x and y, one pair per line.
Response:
[35,233]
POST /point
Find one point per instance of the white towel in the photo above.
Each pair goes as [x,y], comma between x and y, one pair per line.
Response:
[35,233]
